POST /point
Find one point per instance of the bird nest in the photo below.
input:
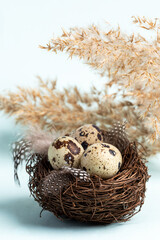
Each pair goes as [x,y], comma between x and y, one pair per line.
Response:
[91,199]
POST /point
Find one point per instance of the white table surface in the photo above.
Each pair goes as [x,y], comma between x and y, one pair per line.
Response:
[19,213]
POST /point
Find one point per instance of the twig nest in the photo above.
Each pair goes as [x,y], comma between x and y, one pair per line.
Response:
[76,194]
[101,159]
[65,151]
[87,135]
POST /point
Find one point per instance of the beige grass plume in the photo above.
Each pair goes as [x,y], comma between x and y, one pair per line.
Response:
[129,61]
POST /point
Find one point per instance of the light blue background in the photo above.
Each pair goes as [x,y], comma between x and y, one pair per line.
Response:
[23,26]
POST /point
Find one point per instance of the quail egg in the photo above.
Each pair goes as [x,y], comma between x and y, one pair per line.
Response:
[87,135]
[101,159]
[65,151]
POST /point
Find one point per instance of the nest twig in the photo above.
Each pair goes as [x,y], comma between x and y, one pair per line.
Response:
[102,201]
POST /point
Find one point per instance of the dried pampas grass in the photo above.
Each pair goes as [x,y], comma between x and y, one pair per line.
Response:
[54,110]
[130,62]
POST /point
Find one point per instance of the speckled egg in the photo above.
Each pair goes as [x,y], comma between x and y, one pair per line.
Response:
[65,151]
[87,135]
[101,159]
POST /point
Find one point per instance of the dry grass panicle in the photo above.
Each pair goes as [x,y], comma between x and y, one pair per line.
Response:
[129,61]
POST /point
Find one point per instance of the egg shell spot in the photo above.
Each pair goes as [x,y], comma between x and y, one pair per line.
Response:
[73,147]
[89,134]
[65,151]
[84,145]
[96,127]
[99,161]
[69,159]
